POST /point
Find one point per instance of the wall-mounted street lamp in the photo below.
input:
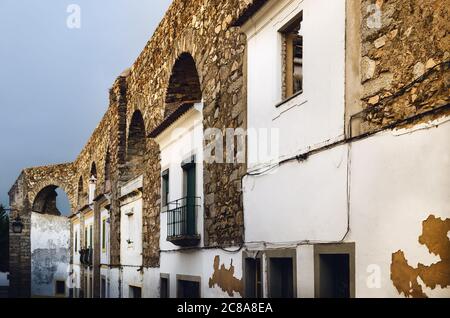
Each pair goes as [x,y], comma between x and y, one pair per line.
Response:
[17,224]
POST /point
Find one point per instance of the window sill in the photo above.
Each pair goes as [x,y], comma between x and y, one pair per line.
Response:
[288,99]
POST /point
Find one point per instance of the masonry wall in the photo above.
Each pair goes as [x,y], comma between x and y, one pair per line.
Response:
[411,43]
[202,29]
[405,52]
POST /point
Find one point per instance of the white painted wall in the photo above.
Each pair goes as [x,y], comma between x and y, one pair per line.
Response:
[299,201]
[397,180]
[114,278]
[50,237]
[131,233]
[317,115]
[104,253]
[180,141]
[76,242]
[200,264]
[389,183]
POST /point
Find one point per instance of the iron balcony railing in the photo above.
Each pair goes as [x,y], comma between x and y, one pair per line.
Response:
[182,218]
[86,256]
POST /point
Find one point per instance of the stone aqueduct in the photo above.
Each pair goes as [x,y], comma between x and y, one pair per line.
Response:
[189,49]
[199,46]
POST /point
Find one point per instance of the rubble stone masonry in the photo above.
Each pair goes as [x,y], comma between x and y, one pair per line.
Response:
[412,42]
[405,55]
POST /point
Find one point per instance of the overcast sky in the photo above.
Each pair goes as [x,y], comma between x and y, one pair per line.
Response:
[54,80]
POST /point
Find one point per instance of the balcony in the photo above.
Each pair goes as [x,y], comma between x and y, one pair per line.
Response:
[182,222]
[86,256]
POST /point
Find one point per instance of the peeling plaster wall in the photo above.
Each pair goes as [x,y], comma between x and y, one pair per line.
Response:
[49,253]
[201,264]
[388,200]
[391,198]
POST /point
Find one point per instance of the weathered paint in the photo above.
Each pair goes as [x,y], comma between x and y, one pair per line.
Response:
[225,279]
[405,277]
[49,253]
[200,263]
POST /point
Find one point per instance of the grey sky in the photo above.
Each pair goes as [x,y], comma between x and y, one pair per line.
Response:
[54,80]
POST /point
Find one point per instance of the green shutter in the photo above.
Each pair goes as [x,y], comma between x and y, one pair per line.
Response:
[104,234]
[90,236]
[190,198]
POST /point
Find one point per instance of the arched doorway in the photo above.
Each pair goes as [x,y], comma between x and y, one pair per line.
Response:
[50,237]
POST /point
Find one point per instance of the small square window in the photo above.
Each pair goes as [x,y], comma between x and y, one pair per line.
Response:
[60,288]
[135,292]
[188,287]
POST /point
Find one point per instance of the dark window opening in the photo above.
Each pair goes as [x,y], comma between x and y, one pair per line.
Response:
[165,188]
[104,235]
[76,242]
[293,63]
[90,236]
[188,289]
[164,292]
[253,278]
[135,292]
[281,278]
[60,287]
[103,288]
[190,194]
[334,276]
[85,237]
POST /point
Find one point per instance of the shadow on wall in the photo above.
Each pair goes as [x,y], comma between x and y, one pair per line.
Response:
[406,278]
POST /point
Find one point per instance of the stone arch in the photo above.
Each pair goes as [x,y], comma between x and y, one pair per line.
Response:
[37,193]
[45,201]
[93,172]
[184,83]
[136,146]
